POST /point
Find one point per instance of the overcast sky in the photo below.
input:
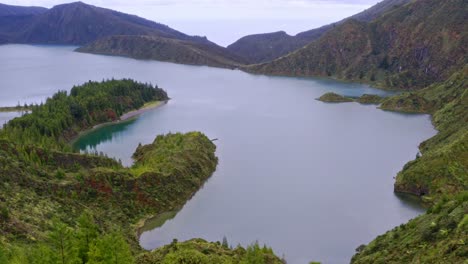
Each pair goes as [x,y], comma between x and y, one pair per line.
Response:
[224,21]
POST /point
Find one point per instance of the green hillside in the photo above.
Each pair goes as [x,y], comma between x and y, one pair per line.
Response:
[260,48]
[409,47]
[163,49]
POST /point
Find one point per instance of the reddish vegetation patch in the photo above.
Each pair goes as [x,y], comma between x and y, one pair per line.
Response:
[100,186]
[111,114]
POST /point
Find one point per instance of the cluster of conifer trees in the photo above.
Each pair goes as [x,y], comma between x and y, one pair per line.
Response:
[65,245]
[62,116]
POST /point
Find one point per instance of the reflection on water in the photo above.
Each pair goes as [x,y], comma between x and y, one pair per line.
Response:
[107,133]
[412,201]
[6,116]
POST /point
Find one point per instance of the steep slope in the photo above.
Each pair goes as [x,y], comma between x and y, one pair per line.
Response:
[410,47]
[11,10]
[261,48]
[163,49]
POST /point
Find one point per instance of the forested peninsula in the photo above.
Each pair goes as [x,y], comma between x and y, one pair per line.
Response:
[58,206]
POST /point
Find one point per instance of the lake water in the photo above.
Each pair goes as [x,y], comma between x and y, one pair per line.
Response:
[312,180]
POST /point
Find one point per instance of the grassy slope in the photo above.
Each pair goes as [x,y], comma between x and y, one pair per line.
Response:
[38,185]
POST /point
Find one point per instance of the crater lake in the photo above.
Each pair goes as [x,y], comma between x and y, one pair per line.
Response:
[310,179]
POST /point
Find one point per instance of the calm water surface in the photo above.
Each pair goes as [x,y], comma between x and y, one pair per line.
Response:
[310,179]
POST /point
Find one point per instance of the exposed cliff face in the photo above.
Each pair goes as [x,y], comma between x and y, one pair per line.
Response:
[163,49]
[260,48]
[410,47]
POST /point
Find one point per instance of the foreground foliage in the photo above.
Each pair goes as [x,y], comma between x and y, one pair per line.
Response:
[201,252]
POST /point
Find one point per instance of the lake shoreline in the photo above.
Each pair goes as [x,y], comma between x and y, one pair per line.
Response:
[14,109]
[127,117]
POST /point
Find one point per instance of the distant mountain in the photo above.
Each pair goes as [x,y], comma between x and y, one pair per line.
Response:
[78,23]
[265,47]
[10,10]
[164,49]
[408,47]
[261,48]
[106,31]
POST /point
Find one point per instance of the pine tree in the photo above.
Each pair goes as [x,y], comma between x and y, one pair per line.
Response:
[112,249]
[86,234]
[225,243]
[61,239]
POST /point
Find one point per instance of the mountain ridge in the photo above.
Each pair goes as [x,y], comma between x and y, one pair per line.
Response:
[260,48]
[162,49]
[410,47]
[13,10]
[90,26]
[78,23]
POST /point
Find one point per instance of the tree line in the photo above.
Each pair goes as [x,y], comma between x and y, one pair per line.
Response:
[63,115]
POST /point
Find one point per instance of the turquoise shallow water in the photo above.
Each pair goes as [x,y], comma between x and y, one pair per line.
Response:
[310,179]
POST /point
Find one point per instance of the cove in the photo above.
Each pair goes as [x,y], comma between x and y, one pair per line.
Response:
[312,180]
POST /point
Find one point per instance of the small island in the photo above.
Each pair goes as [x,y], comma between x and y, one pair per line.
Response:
[337,98]
[334,98]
